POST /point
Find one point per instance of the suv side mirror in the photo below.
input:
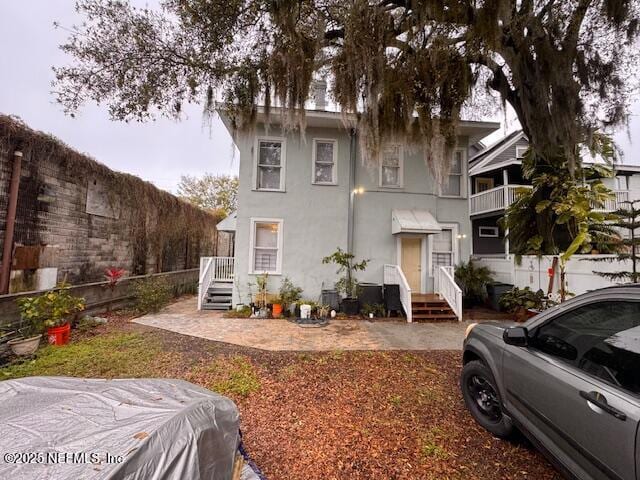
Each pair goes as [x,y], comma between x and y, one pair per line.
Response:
[516,336]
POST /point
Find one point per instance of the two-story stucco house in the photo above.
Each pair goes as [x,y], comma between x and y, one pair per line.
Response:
[302,197]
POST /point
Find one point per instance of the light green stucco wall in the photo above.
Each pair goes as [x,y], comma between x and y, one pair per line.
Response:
[315,217]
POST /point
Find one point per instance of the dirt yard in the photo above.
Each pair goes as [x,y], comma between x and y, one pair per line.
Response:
[307,416]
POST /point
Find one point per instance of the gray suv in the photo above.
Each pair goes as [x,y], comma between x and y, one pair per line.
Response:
[569,379]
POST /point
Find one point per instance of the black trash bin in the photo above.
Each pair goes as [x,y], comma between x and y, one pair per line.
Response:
[392,301]
[495,290]
[331,298]
[370,294]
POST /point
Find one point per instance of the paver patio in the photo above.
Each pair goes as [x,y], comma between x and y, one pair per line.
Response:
[280,335]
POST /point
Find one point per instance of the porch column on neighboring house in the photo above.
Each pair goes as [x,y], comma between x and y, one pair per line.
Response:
[505,177]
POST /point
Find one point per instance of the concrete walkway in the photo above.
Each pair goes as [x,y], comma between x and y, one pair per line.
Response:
[278,334]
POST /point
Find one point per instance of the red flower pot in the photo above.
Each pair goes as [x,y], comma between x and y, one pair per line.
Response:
[59,335]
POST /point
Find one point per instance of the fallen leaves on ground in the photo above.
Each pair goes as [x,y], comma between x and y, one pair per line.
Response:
[334,415]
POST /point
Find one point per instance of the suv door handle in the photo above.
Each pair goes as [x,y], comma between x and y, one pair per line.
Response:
[600,401]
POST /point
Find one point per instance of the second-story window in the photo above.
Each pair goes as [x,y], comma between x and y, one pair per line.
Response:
[391,167]
[270,174]
[453,184]
[621,182]
[324,162]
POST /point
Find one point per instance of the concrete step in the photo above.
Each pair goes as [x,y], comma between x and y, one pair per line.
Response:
[216,306]
[220,289]
[435,318]
[218,299]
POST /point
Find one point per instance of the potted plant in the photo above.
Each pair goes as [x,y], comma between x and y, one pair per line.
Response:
[276,308]
[347,284]
[323,311]
[524,303]
[473,281]
[30,329]
[54,308]
[261,297]
[289,295]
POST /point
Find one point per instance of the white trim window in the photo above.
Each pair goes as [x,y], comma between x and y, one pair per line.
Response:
[391,166]
[454,184]
[483,184]
[325,162]
[270,162]
[443,249]
[521,151]
[266,246]
[488,232]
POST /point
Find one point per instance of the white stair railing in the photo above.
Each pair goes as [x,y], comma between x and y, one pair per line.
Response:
[207,273]
[224,268]
[447,288]
[213,269]
[393,275]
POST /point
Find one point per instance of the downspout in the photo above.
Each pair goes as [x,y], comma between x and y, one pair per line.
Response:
[352,186]
[7,251]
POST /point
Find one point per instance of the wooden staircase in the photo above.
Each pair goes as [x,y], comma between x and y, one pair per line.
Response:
[428,307]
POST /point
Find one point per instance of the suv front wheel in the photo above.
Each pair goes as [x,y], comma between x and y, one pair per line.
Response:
[483,399]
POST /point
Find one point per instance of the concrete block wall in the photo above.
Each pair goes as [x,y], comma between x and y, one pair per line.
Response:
[52,211]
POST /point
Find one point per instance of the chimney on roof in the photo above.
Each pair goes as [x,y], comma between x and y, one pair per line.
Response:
[320,94]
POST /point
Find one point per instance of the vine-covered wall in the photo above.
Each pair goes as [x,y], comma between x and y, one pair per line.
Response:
[80,217]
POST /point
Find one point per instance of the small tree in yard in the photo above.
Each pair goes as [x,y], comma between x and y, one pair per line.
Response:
[347,265]
[628,245]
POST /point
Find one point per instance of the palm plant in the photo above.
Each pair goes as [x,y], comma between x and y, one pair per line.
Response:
[473,280]
[562,214]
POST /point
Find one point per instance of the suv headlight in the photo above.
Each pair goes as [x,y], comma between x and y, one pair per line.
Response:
[468,330]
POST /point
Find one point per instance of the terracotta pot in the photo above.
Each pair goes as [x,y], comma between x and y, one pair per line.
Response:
[25,346]
[531,312]
[276,311]
[521,314]
[59,335]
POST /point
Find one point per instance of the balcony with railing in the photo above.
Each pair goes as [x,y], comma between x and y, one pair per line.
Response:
[498,198]
[494,199]
[614,204]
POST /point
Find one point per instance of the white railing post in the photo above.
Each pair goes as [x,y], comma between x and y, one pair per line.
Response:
[204,280]
[449,290]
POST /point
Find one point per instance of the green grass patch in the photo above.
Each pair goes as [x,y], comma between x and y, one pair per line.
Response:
[430,445]
[108,356]
[235,376]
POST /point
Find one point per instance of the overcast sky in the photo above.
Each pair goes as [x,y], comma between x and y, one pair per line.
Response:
[157,151]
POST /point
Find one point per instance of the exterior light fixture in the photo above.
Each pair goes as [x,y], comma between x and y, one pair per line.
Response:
[461,236]
[358,191]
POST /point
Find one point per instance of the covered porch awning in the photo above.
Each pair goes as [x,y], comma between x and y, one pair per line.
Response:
[414,221]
